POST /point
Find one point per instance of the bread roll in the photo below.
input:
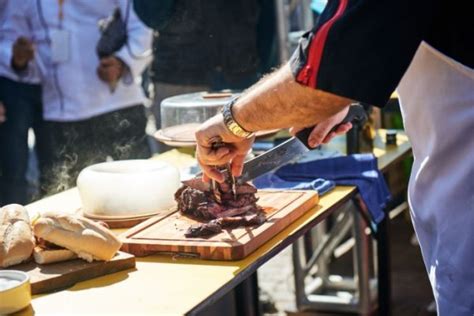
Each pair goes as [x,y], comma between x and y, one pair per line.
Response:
[87,239]
[45,256]
[16,237]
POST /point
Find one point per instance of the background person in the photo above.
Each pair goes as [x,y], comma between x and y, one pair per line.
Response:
[86,122]
[207,45]
[20,93]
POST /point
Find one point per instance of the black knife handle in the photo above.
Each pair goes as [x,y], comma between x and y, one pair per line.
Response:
[356,114]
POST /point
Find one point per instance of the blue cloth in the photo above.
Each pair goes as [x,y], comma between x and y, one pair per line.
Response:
[359,170]
[271,180]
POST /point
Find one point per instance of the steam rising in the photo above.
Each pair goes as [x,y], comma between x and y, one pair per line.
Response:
[80,153]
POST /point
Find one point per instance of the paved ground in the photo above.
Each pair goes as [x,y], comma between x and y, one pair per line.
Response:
[411,292]
[277,284]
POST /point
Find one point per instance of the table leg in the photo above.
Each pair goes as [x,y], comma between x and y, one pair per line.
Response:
[246,297]
[383,258]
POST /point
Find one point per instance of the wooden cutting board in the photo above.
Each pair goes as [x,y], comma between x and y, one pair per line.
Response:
[50,277]
[166,234]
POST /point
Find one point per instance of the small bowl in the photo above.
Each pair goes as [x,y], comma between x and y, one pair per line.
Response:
[16,297]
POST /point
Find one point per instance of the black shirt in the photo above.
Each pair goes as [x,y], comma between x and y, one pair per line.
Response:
[216,43]
[360,49]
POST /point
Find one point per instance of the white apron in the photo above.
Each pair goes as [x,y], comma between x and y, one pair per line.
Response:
[437,100]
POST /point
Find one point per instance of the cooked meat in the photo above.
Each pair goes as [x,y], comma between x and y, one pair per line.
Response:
[245,188]
[202,205]
[203,230]
[228,212]
[237,221]
[46,244]
[198,204]
[216,225]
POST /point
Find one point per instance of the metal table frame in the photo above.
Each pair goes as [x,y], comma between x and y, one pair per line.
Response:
[313,252]
[241,280]
[247,282]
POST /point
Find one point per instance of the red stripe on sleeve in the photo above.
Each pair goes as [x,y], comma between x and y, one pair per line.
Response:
[309,72]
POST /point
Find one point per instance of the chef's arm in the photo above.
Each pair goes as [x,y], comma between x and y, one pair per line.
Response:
[278,101]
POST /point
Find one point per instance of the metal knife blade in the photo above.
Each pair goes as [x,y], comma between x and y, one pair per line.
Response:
[291,149]
[278,156]
[266,162]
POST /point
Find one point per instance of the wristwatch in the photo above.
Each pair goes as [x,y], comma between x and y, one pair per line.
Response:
[231,124]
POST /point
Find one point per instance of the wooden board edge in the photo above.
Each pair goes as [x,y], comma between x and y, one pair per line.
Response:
[125,236]
[136,247]
[51,285]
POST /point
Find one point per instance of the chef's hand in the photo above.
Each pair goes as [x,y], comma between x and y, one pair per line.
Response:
[110,69]
[3,118]
[322,133]
[22,52]
[235,149]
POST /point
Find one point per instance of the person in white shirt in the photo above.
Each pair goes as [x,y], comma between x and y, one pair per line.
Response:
[20,106]
[85,120]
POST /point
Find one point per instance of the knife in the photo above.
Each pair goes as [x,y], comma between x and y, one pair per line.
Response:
[286,152]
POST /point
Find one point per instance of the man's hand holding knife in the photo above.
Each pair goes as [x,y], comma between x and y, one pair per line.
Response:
[277,101]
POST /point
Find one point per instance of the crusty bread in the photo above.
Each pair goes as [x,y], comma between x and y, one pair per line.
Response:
[87,239]
[45,256]
[16,237]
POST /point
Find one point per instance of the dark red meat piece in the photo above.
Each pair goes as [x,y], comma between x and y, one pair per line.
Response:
[229,212]
[203,230]
[202,205]
[215,226]
[237,221]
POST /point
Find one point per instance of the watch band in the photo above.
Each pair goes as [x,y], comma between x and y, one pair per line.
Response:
[230,122]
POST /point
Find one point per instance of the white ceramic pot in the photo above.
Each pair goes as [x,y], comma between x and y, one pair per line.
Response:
[128,187]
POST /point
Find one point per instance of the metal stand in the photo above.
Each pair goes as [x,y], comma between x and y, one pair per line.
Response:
[383,256]
[288,39]
[316,288]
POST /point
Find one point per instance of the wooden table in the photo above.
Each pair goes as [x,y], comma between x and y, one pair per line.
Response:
[174,286]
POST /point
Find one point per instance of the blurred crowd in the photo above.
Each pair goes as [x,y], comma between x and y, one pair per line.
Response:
[87,77]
